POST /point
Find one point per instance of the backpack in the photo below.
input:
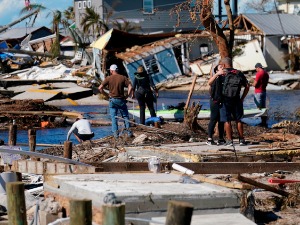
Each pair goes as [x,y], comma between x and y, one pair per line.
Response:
[216,89]
[232,84]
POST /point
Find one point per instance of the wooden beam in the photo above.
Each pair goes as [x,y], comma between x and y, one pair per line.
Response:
[38,167]
[263,186]
[205,167]
[7,149]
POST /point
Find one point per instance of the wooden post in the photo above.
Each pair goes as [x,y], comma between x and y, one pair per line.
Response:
[179,213]
[16,203]
[12,138]
[113,214]
[191,91]
[68,149]
[32,139]
[81,212]
[32,142]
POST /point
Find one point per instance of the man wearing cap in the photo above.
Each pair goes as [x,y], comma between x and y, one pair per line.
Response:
[117,100]
[260,93]
[81,130]
[142,86]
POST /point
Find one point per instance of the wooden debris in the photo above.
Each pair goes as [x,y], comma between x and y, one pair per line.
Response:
[263,186]
[222,183]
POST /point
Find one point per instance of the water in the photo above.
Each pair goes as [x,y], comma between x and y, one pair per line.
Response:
[282,105]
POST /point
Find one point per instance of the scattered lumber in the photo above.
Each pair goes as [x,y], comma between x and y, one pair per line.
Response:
[263,186]
[222,183]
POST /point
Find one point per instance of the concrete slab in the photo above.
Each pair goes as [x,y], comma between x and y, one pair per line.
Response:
[144,192]
[38,94]
[212,219]
[191,152]
[91,100]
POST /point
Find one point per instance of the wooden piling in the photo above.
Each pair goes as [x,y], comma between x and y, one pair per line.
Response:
[80,212]
[32,139]
[16,203]
[179,213]
[12,138]
[113,214]
[68,149]
[32,142]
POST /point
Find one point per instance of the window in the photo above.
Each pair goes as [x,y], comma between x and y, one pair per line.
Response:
[84,4]
[151,65]
[203,50]
[89,4]
[79,5]
[148,6]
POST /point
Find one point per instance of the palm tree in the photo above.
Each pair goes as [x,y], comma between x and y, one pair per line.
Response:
[31,8]
[69,14]
[56,21]
[92,22]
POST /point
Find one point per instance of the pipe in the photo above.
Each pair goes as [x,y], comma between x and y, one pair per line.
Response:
[182,169]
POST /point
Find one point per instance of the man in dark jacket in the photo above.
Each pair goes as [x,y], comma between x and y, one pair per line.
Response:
[143,88]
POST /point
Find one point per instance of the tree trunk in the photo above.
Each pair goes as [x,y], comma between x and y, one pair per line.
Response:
[190,116]
[208,21]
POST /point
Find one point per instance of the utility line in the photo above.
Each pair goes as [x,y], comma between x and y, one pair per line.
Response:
[279,17]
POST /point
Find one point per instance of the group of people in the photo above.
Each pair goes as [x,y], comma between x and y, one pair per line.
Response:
[143,89]
[226,101]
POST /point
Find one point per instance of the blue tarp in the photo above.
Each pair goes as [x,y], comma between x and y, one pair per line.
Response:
[4,55]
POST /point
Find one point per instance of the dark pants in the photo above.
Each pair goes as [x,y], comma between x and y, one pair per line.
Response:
[143,100]
[214,119]
[83,137]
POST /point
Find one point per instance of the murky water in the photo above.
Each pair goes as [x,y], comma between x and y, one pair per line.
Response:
[282,105]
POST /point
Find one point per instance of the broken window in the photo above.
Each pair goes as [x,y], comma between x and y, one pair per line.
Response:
[203,50]
[151,65]
[148,6]
[84,4]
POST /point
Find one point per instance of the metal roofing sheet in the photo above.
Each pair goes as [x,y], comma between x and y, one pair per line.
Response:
[276,24]
[16,33]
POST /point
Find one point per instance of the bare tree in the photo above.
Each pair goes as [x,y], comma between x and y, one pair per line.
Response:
[203,10]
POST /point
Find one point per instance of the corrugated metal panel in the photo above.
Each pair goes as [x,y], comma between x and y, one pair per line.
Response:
[276,24]
[16,33]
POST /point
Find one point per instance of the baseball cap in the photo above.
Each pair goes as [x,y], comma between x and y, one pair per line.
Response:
[258,65]
[113,67]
